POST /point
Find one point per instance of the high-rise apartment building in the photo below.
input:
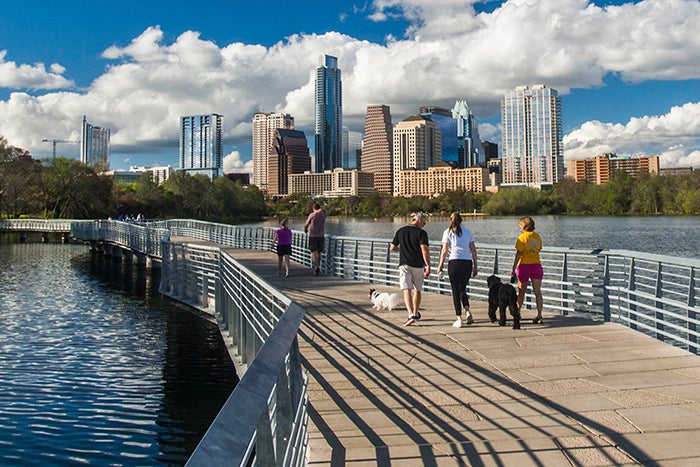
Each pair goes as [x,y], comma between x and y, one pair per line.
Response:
[289,155]
[265,125]
[329,115]
[201,145]
[94,145]
[417,145]
[532,149]
[378,146]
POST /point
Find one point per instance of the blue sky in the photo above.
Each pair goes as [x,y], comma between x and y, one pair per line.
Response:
[628,72]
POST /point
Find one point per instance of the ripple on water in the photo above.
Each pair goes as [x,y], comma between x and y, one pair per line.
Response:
[96,368]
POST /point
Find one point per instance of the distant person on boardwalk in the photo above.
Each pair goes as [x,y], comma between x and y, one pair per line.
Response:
[315,226]
[461,265]
[411,241]
[283,239]
[527,265]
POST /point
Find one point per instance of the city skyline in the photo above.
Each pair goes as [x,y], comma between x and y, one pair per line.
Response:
[622,89]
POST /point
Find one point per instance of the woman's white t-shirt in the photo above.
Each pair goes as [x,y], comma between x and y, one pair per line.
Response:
[459,246]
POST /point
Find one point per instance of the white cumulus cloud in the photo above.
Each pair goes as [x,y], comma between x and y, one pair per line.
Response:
[448,52]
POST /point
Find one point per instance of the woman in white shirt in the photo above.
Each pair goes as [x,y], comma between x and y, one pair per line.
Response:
[461,265]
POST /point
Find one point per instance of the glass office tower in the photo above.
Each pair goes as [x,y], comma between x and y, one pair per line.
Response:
[329,115]
[201,146]
[532,149]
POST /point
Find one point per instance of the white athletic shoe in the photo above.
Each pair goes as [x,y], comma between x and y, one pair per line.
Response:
[458,323]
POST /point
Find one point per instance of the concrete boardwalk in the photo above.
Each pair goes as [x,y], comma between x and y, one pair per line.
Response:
[567,392]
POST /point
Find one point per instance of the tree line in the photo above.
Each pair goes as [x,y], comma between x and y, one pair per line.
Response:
[68,189]
[622,195]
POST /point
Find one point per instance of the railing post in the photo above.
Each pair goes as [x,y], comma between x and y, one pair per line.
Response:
[659,306]
[631,296]
[692,315]
[606,288]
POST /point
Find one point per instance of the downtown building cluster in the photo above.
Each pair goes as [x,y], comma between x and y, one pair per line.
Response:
[435,150]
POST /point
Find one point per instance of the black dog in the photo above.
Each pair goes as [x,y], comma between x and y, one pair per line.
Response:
[502,296]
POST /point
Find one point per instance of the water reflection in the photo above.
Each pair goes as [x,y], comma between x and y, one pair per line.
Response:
[97,366]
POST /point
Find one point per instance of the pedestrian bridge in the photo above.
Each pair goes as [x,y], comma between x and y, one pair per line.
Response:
[612,377]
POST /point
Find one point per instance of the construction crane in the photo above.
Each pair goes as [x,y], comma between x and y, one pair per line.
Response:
[54,141]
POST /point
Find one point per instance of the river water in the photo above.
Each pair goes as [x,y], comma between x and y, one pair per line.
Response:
[98,368]
[675,236]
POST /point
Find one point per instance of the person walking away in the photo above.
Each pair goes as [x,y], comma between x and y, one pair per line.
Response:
[315,226]
[283,239]
[461,266]
[527,265]
[411,241]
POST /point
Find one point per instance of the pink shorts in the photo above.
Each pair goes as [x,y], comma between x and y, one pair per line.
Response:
[527,272]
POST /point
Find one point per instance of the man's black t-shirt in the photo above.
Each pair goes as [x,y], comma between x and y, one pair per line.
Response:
[409,240]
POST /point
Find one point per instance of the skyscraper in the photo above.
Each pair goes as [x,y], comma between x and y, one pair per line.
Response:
[378,146]
[265,125]
[289,155]
[94,146]
[532,149]
[469,147]
[417,145]
[448,130]
[329,115]
[352,148]
[201,146]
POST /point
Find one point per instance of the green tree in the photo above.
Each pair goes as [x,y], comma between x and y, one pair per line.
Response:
[20,182]
[72,190]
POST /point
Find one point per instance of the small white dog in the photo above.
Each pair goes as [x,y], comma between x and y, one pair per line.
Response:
[384,300]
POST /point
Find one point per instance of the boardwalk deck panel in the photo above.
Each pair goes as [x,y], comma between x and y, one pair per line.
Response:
[568,392]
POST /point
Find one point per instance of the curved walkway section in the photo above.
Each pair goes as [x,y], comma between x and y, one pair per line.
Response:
[567,392]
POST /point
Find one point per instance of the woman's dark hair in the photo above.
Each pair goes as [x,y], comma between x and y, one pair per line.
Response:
[456,223]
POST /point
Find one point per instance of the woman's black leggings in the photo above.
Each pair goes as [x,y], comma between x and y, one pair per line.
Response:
[459,270]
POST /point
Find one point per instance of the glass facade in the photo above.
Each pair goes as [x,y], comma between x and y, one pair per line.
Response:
[201,146]
[532,149]
[328,100]
[95,146]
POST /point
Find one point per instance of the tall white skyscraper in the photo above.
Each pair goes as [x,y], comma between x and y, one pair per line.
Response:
[201,145]
[95,145]
[417,145]
[265,125]
[532,149]
[328,99]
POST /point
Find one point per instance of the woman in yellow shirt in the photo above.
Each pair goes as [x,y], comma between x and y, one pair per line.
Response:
[527,265]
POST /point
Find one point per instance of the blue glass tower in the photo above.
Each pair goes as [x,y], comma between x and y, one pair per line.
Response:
[329,115]
[448,128]
[468,141]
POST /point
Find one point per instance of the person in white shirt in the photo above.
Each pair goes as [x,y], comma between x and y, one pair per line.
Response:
[461,265]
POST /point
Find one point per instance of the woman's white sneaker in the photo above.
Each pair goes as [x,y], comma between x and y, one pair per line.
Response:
[458,323]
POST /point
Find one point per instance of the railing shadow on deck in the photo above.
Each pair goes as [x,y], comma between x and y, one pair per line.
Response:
[409,402]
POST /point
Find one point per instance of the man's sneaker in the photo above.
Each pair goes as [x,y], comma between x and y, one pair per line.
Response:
[458,323]
[470,319]
[410,321]
[417,316]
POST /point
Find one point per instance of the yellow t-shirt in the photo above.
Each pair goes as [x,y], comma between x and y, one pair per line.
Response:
[530,244]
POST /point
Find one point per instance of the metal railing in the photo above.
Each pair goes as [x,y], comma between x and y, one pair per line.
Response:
[264,421]
[35,225]
[653,294]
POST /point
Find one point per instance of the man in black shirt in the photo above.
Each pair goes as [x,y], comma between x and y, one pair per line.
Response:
[411,241]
